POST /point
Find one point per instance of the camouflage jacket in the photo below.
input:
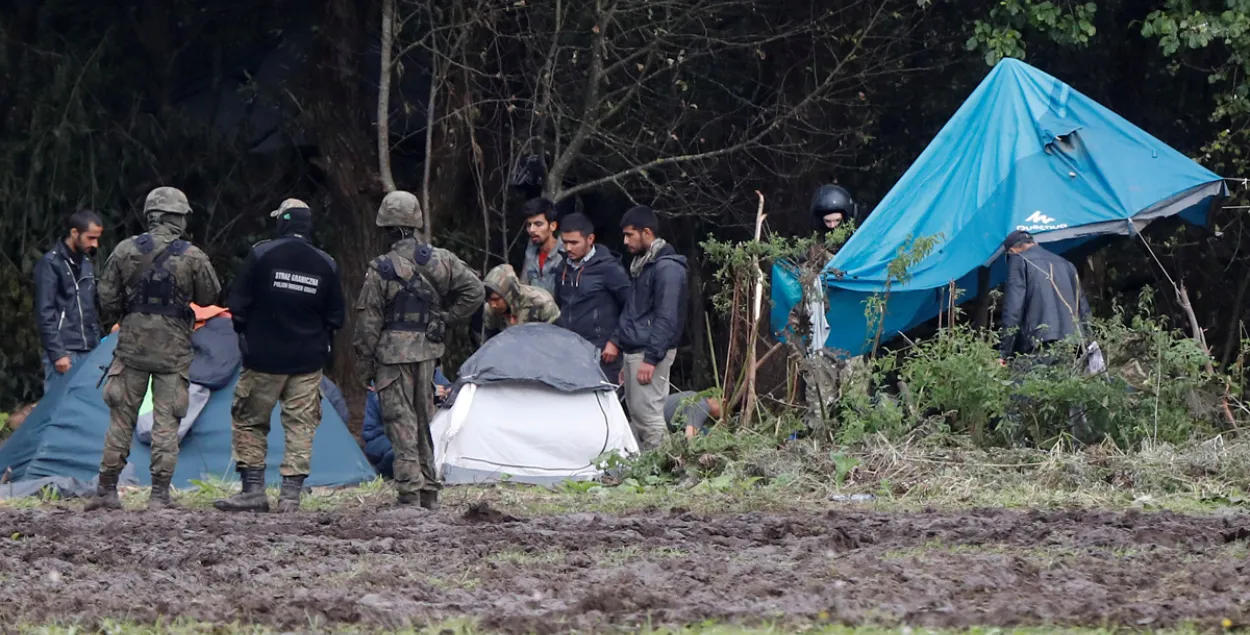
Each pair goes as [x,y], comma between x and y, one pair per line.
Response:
[456,285]
[526,303]
[155,343]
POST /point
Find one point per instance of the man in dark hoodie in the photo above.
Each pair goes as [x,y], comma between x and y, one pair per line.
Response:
[651,323]
[592,289]
[286,303]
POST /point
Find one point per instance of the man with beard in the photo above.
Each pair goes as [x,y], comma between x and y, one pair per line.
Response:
[592,289]
[543,257]
[409,297]
[286,306]
[65,302]
[651,323]
[148,285]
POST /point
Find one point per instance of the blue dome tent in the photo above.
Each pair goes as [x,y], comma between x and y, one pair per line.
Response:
[1025,151]
[63,438]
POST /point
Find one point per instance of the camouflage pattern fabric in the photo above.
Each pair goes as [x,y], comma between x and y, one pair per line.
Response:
[400,209]
[827,379]
[254,398]
[526,303]
[155,343]
[170,200]
[406,396]
[455,283]
[124,390]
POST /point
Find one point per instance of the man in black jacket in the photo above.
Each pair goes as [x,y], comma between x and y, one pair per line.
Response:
[65,300]
[287,303]
[1042,303]
[592,289]
[651,323]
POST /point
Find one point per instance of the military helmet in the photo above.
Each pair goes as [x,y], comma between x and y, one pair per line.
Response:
[400,209]
[830,199]
[169,200]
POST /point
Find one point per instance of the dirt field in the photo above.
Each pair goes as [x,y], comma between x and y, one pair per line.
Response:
[393,567]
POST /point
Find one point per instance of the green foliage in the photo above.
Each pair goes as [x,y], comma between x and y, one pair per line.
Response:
[1155,389]
[1002,34]
[734,260]
[912,252]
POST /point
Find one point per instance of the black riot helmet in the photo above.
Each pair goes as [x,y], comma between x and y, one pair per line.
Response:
[830,199]
[529,176]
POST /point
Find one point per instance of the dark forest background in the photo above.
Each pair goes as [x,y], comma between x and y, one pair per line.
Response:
[688,106]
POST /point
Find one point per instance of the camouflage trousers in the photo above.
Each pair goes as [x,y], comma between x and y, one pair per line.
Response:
[406,396]
[124,390]
[254,398]
[827,380]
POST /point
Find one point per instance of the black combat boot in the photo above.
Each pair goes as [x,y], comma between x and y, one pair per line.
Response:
[160,497]
[105,494]
[429,499]
[288,499]
[407,499]
[252,498]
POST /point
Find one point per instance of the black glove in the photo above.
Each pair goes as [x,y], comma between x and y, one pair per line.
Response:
[436,330]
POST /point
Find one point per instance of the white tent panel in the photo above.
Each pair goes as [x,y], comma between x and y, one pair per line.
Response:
[528,432]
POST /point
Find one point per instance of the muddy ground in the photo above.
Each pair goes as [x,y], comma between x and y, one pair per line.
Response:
[592,572]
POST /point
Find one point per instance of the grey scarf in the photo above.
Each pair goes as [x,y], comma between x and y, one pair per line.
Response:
[635,267]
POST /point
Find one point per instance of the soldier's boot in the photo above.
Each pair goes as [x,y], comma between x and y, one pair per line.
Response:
[288,499]
[160,497]
[407,499]
[251,499]
[105,494]
[429,500]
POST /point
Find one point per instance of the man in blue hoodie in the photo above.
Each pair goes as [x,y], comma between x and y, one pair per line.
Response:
[592,289]
[651,323]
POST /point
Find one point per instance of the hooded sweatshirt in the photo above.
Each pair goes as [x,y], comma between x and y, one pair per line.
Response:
[526,303]
[591,295]
[287,302]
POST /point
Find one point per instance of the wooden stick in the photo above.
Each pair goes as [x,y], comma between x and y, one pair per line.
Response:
[748,409]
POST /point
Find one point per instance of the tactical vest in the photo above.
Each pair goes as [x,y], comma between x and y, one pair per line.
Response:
[155,291]
[411,308]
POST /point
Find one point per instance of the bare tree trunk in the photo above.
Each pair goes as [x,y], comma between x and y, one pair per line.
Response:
[436,79]
[384,96]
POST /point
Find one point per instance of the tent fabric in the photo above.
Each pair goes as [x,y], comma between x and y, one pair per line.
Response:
[64,437]
[197,397]
[1025,151]
[536,353]
[528,433]
[217,357]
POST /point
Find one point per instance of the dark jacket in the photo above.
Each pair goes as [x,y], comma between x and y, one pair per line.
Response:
[378,447]
[65,303]
[1042,302]
[287,303]
[591,297]
[655,314]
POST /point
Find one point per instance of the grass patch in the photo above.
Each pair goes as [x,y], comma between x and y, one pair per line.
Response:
[519,557]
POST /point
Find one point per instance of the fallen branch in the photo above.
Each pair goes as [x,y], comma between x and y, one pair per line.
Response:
[753,335]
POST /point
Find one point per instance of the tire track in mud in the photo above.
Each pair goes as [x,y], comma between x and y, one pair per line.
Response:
[393,567]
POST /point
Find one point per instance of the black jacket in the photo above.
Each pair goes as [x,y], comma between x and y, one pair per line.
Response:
[65,303]
[287,303]
[1042,302]
[591,297]
[655,313]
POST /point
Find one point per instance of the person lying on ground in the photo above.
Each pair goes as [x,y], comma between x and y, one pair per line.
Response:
[509,302]
[687,410]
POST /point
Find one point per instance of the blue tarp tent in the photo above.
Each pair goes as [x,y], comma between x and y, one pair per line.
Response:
[64,437]
[1025,151]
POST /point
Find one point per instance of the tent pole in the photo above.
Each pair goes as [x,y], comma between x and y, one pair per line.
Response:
[983,297]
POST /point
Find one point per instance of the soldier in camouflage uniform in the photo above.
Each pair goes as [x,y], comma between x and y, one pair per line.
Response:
[409,297]
[148,284]
[509,302]
[286,304]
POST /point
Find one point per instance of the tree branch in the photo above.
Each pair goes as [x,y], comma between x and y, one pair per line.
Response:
[591,104]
